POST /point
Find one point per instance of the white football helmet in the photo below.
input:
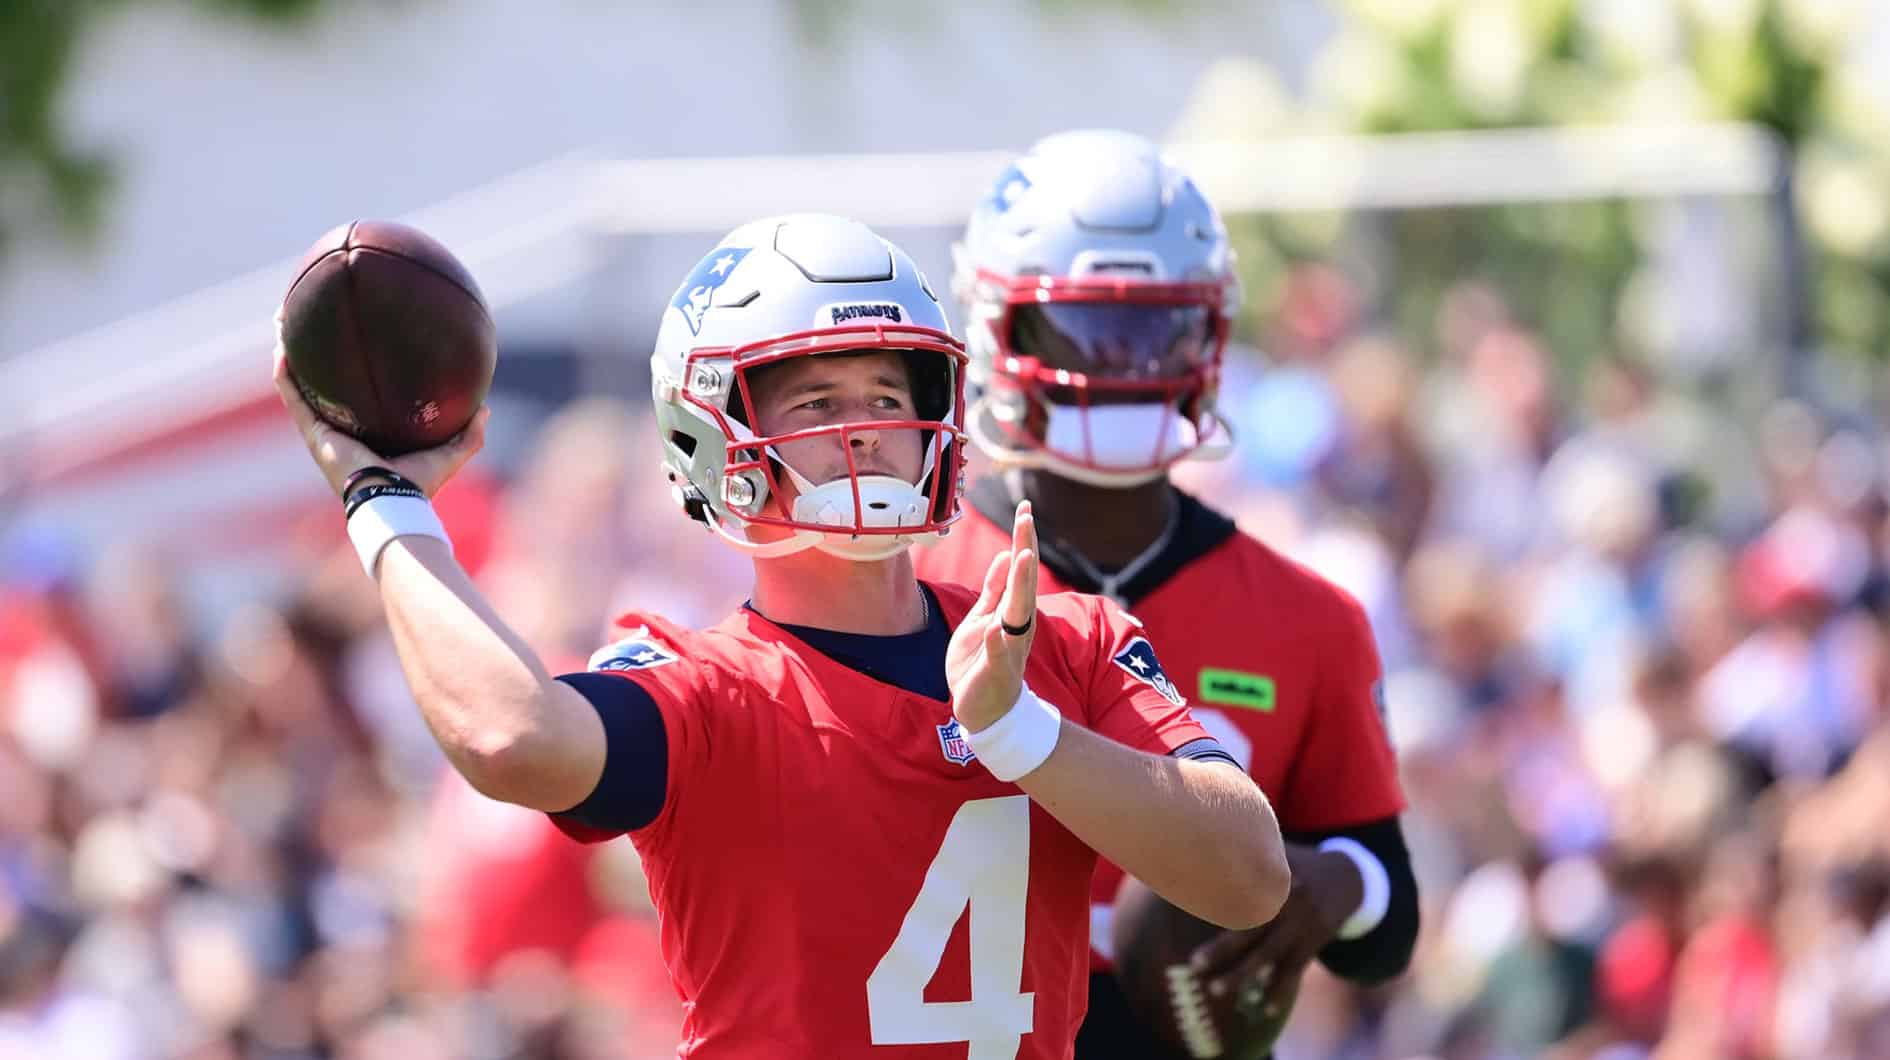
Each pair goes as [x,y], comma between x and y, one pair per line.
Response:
[1099,287]
[805,285]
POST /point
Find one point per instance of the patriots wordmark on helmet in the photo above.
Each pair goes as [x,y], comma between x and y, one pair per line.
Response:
[840,314]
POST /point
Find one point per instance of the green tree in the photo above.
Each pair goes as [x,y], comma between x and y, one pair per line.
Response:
[55,182]
[1428,65]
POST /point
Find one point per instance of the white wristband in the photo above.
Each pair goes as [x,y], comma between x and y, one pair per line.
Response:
[376,523]
[1375,902]
[1018,742]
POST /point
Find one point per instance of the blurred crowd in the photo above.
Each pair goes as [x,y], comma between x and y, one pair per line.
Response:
[1637,674]
[243,843]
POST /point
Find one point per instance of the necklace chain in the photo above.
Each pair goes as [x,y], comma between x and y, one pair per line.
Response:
[1107,583]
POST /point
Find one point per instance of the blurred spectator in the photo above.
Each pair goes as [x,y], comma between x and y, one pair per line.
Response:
[1378,465]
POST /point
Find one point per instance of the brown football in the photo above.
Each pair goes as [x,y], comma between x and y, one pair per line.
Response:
[388,336]
[1153,942]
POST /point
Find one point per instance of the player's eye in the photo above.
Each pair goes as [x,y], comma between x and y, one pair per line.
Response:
[816,405]
[889,402]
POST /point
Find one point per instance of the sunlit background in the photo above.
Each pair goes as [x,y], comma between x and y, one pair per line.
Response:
[1562,350]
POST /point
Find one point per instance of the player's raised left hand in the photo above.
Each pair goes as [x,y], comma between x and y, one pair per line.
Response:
[984,664]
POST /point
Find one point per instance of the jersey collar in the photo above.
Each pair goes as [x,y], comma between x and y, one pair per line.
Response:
[1198,531]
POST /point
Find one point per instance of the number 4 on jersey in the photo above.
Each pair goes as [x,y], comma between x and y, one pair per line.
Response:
[984,862]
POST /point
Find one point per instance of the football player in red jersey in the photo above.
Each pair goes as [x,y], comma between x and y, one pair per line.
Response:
[1098,285]
[869,808]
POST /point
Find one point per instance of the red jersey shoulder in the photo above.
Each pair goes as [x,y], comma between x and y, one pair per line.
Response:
[677,659]
[1085,619]
[1115,638]
[1268,581]
[642,642]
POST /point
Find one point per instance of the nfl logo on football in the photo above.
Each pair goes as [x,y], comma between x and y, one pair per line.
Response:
[951,740]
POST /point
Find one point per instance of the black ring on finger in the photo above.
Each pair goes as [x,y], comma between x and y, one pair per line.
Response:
[1017,631]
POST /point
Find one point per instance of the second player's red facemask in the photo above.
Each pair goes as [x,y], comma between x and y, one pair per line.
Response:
[1104,379]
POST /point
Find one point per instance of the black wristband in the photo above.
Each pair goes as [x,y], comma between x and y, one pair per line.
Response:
[379,489]
[394,478]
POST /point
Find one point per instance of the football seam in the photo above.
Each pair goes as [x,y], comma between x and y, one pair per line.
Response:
[350,245]
[1192,1017]
[350,309]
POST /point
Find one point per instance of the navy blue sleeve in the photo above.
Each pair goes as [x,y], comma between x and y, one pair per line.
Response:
[630,792]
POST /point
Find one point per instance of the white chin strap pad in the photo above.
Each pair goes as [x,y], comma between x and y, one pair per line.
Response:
[885,502]
[1119,437]
[1119,442]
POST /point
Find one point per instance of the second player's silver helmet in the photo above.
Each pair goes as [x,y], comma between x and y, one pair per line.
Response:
[1099,288]
[804,285]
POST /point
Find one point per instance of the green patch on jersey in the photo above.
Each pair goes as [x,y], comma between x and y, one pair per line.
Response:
[1235,688]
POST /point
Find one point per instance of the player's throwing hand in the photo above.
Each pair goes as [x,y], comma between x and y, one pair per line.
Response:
[340,456]
[985,663]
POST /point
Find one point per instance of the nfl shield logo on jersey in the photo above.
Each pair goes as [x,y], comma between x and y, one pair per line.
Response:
[951,740]
[634,652]
[1138,658]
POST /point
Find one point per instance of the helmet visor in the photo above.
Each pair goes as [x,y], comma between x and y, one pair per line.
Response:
[1125,341]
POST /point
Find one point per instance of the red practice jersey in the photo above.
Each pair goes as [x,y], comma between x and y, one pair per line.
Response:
[1276,662]
[837,877]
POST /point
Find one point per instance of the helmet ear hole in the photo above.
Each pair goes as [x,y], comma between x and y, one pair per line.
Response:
[689,498]
[737,409]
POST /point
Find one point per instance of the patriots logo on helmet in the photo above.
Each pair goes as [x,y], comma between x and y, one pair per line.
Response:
[1010,186]
[1138,658]
[951,740]
[697,292]
[634,652]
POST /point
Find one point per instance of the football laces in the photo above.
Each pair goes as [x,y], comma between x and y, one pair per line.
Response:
[1192,1017]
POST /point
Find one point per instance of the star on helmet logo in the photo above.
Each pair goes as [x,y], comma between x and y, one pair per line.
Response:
[697,293]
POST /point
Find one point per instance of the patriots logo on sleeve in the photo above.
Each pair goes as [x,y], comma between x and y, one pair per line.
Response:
[697,292]
[1138,658]
[634,652]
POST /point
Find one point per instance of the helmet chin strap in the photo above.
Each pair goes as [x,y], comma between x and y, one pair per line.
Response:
[889,502]
[1213,441]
